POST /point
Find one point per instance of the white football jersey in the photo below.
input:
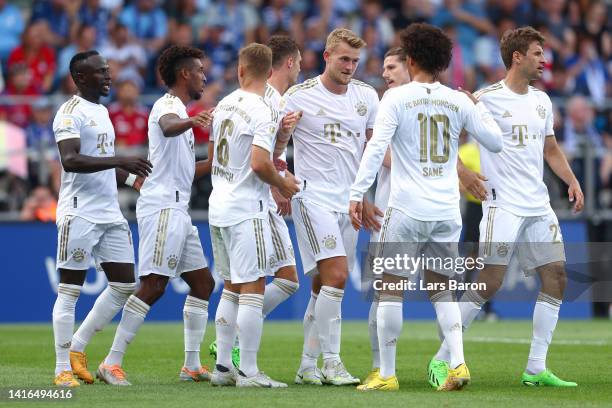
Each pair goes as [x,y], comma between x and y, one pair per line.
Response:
[515,176]
[423,123]
[274,99]
[242,120]
[173,158]
[329,138]
[92,196]
[383,188]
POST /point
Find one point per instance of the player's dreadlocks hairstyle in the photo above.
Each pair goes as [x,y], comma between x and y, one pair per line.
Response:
[175,58]
[77,59]
[282,47]
[518,40]
[428,46]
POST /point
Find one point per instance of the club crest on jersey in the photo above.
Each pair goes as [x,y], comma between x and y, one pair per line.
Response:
[78,254]
[502,250]
[541,111]
[272,261]
[361,108]
[172,261]
[329,242]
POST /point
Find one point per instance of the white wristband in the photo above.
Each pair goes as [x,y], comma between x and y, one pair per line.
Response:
[129,181]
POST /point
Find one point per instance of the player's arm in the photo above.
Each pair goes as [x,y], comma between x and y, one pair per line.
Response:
[387,159]
[75,162]
[172,125]
[285,130]
[203,167]
[266,171]
[482,126]
[559,165]
[384,129]
[129,179]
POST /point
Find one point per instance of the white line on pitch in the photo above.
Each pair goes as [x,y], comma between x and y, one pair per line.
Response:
[512,340]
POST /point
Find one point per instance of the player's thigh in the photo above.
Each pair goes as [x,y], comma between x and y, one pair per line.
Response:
[192,257]
[541,242]
[442,250]
[318,233]
[76,239]
[162,238]
[281,243]
[499,232]
[115,252]
[220,248]
[249,250]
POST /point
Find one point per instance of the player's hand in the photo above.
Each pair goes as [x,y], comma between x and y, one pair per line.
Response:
[280,165]
[290,121]
[370,216]
[576,196]
[473,183]
[283,204]
[204,118]
[289,187]
[469,94]
[355,211]
[138,183]
[137,165]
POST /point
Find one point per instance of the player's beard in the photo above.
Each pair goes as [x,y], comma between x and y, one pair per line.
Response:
[195,95]
[341,79]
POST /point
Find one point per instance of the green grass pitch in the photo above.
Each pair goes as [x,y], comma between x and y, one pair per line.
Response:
[495,352]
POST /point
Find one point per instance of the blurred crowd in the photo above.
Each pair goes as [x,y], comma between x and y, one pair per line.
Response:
[37,40]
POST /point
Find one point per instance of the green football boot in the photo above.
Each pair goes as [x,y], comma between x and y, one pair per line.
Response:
[212,350]
[545,379]
[437,371]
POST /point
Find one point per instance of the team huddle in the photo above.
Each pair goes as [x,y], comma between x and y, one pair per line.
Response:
[343,138]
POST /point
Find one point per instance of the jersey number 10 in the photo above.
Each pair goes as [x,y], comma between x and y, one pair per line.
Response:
[434,122]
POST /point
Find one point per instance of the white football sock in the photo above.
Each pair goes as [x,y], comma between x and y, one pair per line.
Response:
[312,347]
[390,321]
[63,324]
[449,319]
[470,305]
[195,317]
[277,292]
[250,326]
[225,326]
[373,331]
[134,313]
[327,314]
[545,317]
[107,305]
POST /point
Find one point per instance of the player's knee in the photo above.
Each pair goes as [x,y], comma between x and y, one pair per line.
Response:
[554,280]
[336,279]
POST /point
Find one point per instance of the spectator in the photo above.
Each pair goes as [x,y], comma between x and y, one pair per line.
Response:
[594,26]
[579,129]
[220,53]
[44,165]
[470,21]
[277,16]
[36,55]
[460,73]
[11,27]
[130,59]
[129,118]
[85,40]
[559,33]
[147,22]
[93,14]
[238,19]
[59,14]
[13,167]
[41,205]
[519,11]
[19,85]
[372,16]
[412,11]
[589,72]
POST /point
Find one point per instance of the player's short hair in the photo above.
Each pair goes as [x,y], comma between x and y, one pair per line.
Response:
[282,47]
[396,52]
[77,60]
[344,35]
[175,58]
[256,59]
[519,40]
[428,46]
